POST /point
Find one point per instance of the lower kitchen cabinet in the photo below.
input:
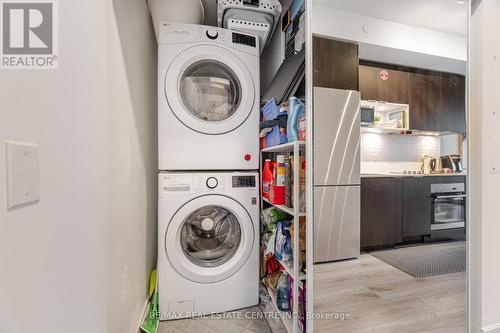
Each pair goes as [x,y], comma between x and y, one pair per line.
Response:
[381,211]
[416,207]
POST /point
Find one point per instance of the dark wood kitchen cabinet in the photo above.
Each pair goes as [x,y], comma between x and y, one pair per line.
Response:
[437,102]
[381,211]
[335,64]
[425,101]
[416,207]
[381,84]
[453,103]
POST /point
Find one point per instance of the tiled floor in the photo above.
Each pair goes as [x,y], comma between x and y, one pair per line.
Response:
[241,321]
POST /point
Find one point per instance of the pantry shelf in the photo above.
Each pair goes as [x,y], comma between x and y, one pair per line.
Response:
[285,316]
[288,266]
[286,209]
[295,152]
[285,147]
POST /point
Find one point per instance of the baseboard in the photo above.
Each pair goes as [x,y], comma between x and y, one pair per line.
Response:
[144,313]
[495,328]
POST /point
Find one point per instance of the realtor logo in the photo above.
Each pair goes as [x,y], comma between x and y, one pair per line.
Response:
[29,34]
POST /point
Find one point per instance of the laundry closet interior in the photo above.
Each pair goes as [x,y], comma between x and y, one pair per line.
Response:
[231,162]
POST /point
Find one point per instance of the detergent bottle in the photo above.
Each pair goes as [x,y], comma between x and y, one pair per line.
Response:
[296,109]
[267,177]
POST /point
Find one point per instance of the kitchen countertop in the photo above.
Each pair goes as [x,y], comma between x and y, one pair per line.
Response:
[397,174]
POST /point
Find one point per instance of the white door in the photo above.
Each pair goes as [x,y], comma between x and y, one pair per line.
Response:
[209,89]
[209,238]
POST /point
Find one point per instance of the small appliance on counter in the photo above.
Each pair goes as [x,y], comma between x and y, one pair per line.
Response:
[367,116]
[452,162]
[436,165]
[426,164]
[431,165]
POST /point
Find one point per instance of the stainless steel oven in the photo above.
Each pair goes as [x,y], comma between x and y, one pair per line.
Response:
[448,206]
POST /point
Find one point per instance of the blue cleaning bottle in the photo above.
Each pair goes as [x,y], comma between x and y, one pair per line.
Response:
[296,109]
[282,300]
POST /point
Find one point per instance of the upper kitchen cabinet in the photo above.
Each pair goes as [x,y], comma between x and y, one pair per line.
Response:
[425,101]
[437,102]
[453,103]
[335,64]
[380,84]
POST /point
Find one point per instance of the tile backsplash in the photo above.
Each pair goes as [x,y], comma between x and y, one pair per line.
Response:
[397,148]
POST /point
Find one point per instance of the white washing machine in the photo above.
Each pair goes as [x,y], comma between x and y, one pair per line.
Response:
[208,100]
[208,243]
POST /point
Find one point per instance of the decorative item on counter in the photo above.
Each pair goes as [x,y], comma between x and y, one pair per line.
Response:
[295,110]
[288,183]
[302,182]
[273,124]
[267,177]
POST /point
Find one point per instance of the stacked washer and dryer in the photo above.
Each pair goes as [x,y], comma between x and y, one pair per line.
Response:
[208,248]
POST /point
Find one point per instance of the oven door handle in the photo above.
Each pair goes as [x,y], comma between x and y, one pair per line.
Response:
[450,196]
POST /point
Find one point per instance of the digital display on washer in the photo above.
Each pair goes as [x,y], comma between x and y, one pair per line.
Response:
[243,181]
[244,39]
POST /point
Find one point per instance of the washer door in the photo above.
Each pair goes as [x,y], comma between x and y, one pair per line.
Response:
[209,238]
[209,89]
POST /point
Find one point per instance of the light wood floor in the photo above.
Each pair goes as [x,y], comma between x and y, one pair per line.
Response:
[383,299]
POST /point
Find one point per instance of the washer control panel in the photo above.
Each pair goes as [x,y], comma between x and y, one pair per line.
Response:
[244,181]
[181,184]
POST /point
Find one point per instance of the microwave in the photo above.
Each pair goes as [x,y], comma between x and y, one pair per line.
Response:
[367,116]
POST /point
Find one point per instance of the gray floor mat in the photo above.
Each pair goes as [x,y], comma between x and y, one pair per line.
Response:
[426,260]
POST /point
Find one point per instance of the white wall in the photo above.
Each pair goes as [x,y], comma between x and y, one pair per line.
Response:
[79,259]
[484,268]
[132,161]
[52,254]
[410,46]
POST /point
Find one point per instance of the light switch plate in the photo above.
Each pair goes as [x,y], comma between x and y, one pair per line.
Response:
[23,178]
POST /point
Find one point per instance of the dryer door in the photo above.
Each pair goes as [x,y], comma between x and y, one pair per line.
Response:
[209,89]
[209,238]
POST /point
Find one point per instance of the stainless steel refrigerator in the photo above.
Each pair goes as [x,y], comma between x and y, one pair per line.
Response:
[336,174]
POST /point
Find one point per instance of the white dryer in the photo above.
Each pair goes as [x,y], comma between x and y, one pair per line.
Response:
[208,243]
[208,98]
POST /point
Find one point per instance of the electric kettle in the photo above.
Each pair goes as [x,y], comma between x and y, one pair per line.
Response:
[426,164]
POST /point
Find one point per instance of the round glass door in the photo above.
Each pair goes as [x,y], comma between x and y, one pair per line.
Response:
[210,238]
[210,90]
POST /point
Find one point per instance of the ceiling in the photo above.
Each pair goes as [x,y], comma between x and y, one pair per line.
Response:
[448,16]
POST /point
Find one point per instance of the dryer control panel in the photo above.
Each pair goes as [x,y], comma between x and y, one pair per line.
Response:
[180,33]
